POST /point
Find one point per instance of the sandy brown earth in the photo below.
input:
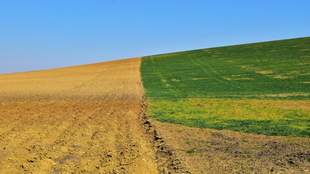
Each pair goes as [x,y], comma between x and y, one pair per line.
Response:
[82,119]
[204,151]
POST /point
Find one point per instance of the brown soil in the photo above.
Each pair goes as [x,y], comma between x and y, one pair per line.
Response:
[213,151]
[82,119]
[167,160]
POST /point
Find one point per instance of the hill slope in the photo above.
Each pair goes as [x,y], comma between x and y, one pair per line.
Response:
[81,119]
[234,87]
[261,88]
[279,69]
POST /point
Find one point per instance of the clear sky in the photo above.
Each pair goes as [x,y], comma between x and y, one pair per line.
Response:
[39,34]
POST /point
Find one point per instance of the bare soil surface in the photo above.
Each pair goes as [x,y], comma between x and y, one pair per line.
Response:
[82,119]
[213,151]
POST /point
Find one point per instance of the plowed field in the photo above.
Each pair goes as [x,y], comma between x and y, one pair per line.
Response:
[82,119]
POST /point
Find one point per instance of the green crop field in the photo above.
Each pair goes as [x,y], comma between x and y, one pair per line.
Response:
[258,88]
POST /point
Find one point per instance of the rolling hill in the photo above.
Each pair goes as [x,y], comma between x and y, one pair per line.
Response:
[234,109]
[258,88]
[82,119]
[237,109]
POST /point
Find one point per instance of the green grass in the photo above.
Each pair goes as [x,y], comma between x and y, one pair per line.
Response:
[267,117]
[276,71]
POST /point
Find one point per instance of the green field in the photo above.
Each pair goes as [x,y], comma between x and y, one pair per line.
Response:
[248,88]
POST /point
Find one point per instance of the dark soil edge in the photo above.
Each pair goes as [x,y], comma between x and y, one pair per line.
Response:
[166,158]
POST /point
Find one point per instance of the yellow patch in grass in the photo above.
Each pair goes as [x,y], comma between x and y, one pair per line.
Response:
[264,72]
[199,78]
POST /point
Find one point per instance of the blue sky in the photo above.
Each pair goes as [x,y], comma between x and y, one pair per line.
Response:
[40,34]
